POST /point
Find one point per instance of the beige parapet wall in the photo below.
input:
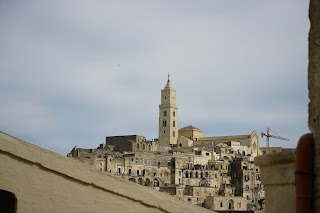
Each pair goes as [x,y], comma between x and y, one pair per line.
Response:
[278,177]
[44,181]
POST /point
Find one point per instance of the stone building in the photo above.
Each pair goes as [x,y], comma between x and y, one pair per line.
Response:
[226,204]
[184,163]
[191,132]
[125,142]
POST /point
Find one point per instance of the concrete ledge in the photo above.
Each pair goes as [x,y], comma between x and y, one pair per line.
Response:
[276,158]
[278,177]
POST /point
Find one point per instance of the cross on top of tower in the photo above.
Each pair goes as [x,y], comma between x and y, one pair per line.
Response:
[168,76]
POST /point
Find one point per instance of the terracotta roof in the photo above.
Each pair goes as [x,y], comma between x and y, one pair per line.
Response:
[190,128]
[231,137]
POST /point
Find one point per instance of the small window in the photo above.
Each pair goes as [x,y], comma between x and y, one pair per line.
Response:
[143,147]
[159,164]
[164,113]
[174,124]
[221,204]
[8,201]
[137,146]
[174,134]
[230,205]
[169,165]
[174,113]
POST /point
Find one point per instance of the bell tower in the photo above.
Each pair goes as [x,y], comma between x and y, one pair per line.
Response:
[168,116]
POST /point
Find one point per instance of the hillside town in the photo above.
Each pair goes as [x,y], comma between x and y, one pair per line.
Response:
[215,172]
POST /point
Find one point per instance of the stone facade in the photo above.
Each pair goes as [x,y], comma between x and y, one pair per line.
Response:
[125,142]
[314,91]
[226,204]
[191,133]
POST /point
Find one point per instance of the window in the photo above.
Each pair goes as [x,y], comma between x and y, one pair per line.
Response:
[159,164]
[207,154]
[174,134]
[129,172]
[8,201]
[221,204]
[230,205]
[149,147]
[137,146]
[174,124]
[164,113]
[143,147]
[149,162]
[174,113]
[239,205]
[169,165]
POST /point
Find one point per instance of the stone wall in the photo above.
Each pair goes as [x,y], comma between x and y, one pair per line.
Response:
[278,177]
[123,143]
[314,90]
[43,181]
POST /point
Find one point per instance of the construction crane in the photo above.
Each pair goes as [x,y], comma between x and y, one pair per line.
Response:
[272,136]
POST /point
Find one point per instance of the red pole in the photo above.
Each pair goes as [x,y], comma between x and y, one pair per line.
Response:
[304,174]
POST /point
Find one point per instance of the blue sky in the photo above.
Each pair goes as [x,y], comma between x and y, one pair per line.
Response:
[237,66]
